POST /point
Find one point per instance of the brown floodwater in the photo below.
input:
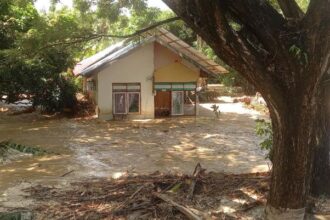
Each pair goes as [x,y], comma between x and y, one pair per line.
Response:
[92,148]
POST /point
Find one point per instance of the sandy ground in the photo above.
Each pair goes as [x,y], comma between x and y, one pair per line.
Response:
[93,148]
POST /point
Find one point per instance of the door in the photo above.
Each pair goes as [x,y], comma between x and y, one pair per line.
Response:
[163,104]
[177,102]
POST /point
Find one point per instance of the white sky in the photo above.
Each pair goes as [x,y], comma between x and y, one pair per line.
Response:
[43,5]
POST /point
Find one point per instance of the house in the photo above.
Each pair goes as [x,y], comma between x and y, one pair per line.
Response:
[157,75]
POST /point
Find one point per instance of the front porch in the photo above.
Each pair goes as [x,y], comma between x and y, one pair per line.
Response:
[175,99]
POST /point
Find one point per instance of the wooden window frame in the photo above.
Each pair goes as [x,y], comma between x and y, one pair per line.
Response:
[126,92]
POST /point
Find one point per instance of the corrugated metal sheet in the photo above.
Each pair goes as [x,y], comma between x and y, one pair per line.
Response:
[109,55]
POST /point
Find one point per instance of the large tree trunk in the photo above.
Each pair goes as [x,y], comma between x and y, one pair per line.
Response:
[293,128]
[284,57]
[321,166]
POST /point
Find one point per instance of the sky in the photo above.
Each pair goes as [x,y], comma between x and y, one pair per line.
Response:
[43,5]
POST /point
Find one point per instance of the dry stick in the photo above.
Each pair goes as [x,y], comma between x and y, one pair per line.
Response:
[67,173]
[187,212]
[136,192]
[197,171]
[130,198]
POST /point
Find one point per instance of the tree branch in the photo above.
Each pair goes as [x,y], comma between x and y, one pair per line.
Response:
[95,36]
[260,18]
[316,25]
[207,18]
[290,9]
[138,32]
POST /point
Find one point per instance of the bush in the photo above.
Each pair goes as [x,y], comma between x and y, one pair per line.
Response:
[47,88]
[78,82]
[56,95]
[264,129]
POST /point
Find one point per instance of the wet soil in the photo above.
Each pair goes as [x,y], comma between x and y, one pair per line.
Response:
[89,148]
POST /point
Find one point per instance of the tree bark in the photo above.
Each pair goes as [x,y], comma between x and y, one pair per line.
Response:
[292,152]
[321,165]
[285,61]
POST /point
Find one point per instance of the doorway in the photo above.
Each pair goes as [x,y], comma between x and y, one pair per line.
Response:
[163,104]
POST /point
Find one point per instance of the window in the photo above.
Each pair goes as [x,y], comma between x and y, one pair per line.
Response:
[120,103]
[134,102]
[91,85]
[126,98]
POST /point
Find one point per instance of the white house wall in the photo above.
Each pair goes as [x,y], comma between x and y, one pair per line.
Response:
[137,67]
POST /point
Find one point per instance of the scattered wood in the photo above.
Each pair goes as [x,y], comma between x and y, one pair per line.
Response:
[186,211]
[130,198]
[153,196]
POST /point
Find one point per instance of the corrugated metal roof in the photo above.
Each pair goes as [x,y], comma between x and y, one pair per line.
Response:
[111,54]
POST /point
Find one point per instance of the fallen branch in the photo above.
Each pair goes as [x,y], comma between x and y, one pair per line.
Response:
[187,212]
[130,198]
[67,173]
[197,171]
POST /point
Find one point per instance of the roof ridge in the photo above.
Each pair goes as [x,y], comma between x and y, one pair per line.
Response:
[162,36]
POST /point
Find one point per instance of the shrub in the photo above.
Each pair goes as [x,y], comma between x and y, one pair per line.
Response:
[265,131]
[56,95]
[40,80]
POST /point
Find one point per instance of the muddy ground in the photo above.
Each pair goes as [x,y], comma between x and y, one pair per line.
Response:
[76,180]
[89,148]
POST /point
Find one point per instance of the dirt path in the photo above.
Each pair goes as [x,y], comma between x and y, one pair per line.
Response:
[92,148]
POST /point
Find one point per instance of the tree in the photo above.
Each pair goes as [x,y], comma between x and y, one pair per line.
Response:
[321,168]
[38,48]
[25,70]
[284,54]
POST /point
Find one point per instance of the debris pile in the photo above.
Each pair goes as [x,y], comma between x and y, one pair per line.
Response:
[85,107]
[155,196]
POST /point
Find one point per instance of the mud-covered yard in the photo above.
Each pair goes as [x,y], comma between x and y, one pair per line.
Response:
[89,148]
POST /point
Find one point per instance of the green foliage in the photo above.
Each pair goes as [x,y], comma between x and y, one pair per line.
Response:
[265,131]
[299,54]
[37,48]
[22,148]
[26,68]
[9,149]
[179,28]
[56,94]
[303,4]
[77,82]
[230,79]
